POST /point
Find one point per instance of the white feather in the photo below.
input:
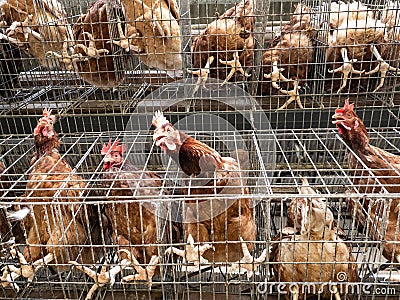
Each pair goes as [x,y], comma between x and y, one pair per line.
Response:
[18,215]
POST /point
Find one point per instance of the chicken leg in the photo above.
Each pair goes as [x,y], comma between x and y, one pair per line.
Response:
[294,95]
[235,66]
[124,41]
[248,262]
[203,74]
[191,253]
[347,68]
[383,67]
[102,278]
[276,75]
[91,50]
[142,273]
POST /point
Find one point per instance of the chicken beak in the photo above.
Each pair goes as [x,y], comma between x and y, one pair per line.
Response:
[107,159]
[155,136]
[158,136]
[337,118]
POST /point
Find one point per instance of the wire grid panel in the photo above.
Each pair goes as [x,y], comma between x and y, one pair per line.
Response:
[43,66]
[318,155]
[47,65]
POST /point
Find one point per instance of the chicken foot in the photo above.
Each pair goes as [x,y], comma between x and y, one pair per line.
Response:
[235,66]
[65,57]
[383,67]
[102,278]
[23,28]
[248,262]
[7,279]
[142,273]
[276,75]
[347,69]
[203,74]
[293,95]
[191,253]
[91,51]
[26,269]
[124,41]
[14,41]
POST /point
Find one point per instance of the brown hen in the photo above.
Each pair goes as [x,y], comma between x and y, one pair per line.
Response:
[295,211]
[314,256]
[126,181]
[356,38]
[133,224]
[287,60]
[153,26]
[226,46]
[57,227]
[40,28]
[373,170]
[227,218]
[93,52]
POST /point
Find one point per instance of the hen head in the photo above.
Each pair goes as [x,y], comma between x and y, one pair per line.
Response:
[166,136]
[45,125]
[350,126]
[113,154]
[315,217]
[44,135]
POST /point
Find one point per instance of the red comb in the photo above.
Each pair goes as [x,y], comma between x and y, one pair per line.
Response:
[112,147]
[47,114]
[347,106]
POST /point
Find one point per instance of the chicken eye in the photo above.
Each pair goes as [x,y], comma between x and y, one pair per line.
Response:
[169,129]
[349,115]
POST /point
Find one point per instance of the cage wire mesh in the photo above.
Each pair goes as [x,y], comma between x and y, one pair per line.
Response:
[105,68]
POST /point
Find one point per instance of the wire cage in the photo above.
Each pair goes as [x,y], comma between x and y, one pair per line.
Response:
[258,81]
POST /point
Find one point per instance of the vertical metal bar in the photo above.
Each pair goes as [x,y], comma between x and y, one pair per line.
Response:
[261,9]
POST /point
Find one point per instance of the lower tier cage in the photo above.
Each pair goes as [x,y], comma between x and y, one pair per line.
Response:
[274,174]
